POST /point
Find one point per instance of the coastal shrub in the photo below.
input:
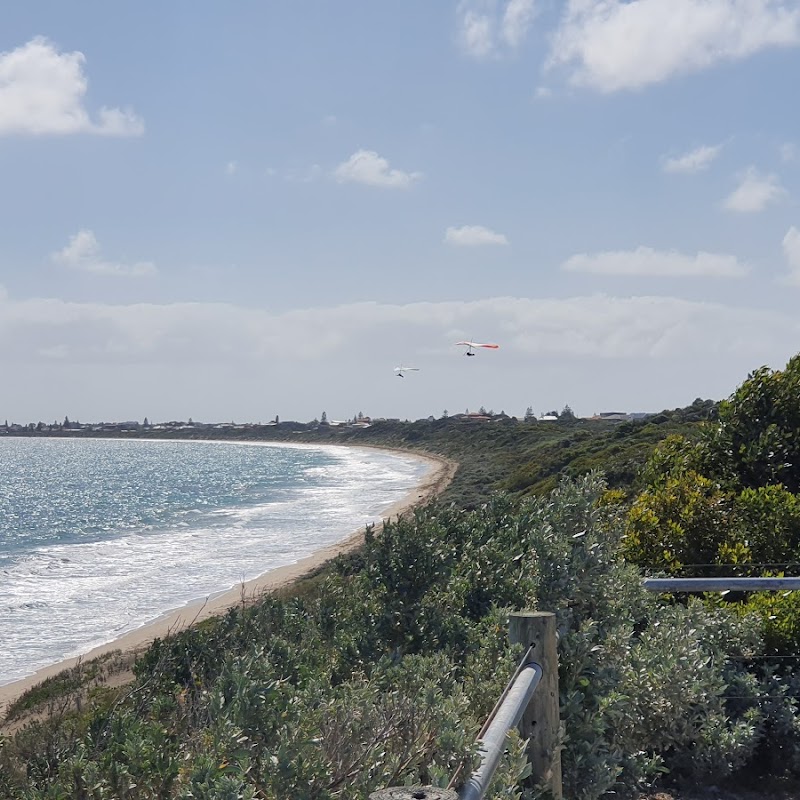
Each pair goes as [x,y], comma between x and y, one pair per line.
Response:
[643,685]
[386,673]
[779,616]
[680,525]
[768,518]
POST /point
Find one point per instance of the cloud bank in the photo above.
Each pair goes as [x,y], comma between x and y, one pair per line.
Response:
[596,326]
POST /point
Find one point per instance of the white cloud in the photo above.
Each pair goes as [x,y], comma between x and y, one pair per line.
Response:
[597,326]
[613,45]
[694,161]
[485,27]
[755,192]
[83,253]
[473,235]
[791,249]
[366,166]
[646,262]
[42,91]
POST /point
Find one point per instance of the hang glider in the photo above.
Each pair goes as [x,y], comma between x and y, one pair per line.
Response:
[401,369]
[472,345]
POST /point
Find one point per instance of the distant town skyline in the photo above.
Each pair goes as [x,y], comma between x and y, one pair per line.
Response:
[238,212]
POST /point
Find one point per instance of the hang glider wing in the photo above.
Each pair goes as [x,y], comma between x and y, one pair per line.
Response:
[479,344]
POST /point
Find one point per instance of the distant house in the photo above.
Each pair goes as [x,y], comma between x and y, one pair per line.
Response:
[612,416]
[548,418]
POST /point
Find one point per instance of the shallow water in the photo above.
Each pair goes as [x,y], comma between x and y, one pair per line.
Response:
[98,537]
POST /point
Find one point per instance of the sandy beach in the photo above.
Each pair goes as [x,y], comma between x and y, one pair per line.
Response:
[439,476]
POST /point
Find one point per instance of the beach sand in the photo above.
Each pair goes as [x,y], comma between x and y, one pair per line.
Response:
[437,479]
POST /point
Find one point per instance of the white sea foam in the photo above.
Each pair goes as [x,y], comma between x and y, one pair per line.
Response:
[66,591]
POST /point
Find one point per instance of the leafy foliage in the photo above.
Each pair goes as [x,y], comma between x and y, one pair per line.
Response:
[385,673]
[729,497]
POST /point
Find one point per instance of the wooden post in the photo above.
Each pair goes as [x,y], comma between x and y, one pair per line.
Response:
[540,723]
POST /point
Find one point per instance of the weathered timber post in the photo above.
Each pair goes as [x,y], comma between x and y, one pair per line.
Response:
[541,722]
[414,793]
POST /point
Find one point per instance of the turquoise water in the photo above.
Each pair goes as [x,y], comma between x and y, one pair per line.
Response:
[98,537]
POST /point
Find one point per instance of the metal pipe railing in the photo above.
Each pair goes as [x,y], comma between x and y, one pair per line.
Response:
[720,584]
[506,716]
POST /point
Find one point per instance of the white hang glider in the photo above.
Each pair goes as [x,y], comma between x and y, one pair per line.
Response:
[401,369]
[472,345]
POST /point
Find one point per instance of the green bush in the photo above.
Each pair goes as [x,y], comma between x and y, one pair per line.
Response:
[385,673]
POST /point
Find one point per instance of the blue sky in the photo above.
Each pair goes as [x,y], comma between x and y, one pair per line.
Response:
[233,211]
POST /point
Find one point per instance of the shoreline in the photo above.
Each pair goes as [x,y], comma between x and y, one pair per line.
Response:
[179,619]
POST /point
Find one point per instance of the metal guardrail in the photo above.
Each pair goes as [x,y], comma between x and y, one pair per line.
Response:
[720,584]
[507,716]
[534,713]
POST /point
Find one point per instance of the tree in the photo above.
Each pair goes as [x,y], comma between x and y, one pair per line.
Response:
[445,415]
[146,424]
[756,442]
[732,496]
[567,414]
[529,415]
[323,420]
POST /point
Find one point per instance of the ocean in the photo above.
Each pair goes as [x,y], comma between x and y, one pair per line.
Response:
[101,536]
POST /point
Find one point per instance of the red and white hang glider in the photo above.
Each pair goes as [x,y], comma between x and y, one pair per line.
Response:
[472,345]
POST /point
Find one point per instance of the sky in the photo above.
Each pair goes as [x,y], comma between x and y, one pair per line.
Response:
[232,211]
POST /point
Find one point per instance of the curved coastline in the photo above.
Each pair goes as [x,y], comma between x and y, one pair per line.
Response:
[438,478]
